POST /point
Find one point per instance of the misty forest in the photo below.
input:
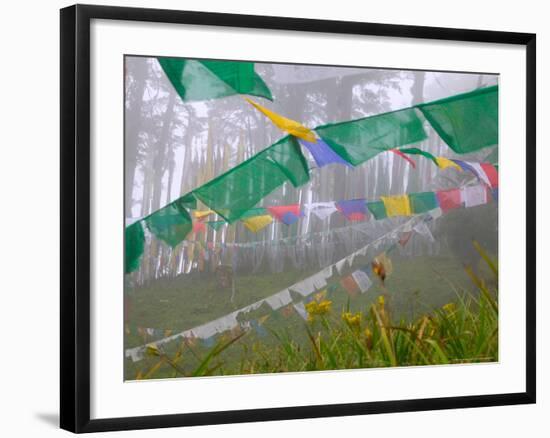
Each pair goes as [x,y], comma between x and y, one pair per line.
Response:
[304,280]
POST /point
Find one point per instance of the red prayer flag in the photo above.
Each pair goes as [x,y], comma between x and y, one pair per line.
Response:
[279,212]
[199,227]
[349,284]
[449,199]
[402,155]
[491,172]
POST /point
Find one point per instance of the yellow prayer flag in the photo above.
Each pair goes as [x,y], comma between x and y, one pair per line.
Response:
[397,205]
[288,125]
[445,162]
[202,213]
[256,223]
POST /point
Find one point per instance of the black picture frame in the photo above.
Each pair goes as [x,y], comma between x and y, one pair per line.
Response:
[75,217]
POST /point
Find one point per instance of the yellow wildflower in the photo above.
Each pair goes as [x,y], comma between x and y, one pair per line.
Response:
[324,306]
[381,300]
[311,307]
[315,308]
[352,320]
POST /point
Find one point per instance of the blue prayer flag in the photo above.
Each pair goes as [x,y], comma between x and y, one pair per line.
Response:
[323,153]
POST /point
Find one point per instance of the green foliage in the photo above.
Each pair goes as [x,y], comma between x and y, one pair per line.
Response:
[464,330]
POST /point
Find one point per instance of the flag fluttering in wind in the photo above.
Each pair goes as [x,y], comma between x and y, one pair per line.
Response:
[257,223]
[423,202]
[449,199]
[196,80]
[323,154]
[292,127]
[288,214]
[398,205]
[416,151]
[402,155]
[238,190]
[444,163]
[467,122]
[357,141]
[134,240]
[353,209]
[201,214]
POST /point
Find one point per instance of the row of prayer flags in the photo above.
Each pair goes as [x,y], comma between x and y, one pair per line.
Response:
[466,122]
[486,173]
[313,287]
[233,193]
[172,226]
[391,206]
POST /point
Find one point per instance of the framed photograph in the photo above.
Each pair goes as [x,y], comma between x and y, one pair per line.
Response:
[268,218]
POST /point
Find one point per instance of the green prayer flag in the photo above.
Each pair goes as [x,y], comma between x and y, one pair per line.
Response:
[359,140]
[377,209]
[205,79]
[134,240]
[186,202]
[423,202]
[466,122]
[170,224]
[236,191]
[416,151]
[216,225]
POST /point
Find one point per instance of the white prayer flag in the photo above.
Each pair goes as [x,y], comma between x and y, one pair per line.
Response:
[474,195]
[422,229]
[436,213]
[340,265]
[322,209]
[300,309]
[251,307]
[362,279]
[279,300]
[304,287]
[327,272]
[318,280]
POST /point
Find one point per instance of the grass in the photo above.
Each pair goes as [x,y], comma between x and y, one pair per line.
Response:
[190,300]
[388,326]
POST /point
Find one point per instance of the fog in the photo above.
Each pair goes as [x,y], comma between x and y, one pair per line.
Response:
[172,147]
